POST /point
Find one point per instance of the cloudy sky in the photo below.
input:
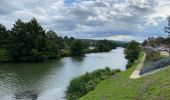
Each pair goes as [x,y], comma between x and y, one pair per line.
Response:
[97,19]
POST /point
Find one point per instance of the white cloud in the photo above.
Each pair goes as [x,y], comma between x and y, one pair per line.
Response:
[89,17]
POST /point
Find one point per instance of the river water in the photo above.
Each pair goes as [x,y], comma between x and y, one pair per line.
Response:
[50,79]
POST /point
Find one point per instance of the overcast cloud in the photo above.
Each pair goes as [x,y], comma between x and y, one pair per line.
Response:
[110,19]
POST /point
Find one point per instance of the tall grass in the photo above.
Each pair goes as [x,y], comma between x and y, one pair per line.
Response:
[81,85]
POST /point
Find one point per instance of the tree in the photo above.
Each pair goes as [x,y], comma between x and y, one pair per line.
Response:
[20,46]
[167,28]
[77,48]
[145,43]
[4,37]
[105,45]
[52,41]
[27,37]
[37,35]
[132,51]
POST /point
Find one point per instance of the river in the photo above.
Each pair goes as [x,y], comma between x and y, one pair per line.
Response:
[51,78]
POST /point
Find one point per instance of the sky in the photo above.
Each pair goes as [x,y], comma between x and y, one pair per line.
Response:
[122,20]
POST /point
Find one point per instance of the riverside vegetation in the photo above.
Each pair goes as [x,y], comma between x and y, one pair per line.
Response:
[29,42]
[151,87]
[121,87]
[81,85]
[132,52]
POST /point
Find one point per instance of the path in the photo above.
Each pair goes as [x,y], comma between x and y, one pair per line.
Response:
[136,72]
[164,53]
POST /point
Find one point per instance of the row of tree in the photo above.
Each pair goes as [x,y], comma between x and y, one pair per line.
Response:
[28,41]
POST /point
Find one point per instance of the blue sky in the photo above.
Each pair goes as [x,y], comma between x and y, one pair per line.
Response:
[69,1]
[96,19]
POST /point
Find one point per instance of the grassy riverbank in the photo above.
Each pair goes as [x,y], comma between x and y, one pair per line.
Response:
[121,87]
[81,85]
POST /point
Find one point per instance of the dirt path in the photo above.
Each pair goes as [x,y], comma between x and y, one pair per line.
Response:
[136,72]
[164,53]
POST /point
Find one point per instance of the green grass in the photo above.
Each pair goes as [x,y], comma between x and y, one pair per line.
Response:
[121,87]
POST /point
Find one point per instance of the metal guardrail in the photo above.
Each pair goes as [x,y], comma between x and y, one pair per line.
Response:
[156,65]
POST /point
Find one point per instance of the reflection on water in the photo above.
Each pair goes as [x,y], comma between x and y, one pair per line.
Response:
[27,95]
[48,80]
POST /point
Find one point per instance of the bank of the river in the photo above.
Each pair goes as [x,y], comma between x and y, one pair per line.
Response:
[63,53]
[121,87]
[49,79]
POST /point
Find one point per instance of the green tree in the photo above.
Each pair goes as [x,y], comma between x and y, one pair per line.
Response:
[105,45]
[77,48]
[25,37]
[145,43]
[20,46]
[132,51]
[37,35]
[4,37]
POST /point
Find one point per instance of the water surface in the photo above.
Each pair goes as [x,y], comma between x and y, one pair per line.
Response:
[51,78]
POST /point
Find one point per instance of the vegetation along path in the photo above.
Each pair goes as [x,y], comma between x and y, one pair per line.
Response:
[120,87]
[136,73]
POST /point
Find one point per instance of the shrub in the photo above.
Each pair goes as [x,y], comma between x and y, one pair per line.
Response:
[35,55]
[130,64]
[4,56]
[65,53]
[81,85]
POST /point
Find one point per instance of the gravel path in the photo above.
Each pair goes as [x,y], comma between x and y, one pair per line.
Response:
[136,72]
[164,53]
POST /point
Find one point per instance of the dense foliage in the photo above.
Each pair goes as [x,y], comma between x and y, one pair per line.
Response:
[28,41]
[132,52]
[105,45]
[81,85]
[78,47]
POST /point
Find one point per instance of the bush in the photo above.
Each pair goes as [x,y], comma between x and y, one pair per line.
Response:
[35,56]
[130,64]
[4,56]
[81,85]
[65,53]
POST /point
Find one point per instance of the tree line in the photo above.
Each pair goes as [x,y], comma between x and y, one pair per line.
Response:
[29,41]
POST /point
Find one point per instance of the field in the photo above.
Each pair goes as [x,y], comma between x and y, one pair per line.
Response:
[121,87]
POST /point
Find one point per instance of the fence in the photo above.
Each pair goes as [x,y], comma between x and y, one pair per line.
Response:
[156,65]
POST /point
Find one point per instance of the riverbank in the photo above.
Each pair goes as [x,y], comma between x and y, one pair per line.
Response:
[51,78]
[63,53]
[81,85]
[121,87]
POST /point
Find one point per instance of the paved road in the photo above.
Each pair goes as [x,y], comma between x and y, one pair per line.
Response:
[136,72]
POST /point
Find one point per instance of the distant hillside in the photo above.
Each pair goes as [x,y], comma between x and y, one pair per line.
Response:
[118,43]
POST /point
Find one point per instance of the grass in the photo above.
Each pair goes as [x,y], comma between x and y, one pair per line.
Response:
[121,87]
[81,85]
